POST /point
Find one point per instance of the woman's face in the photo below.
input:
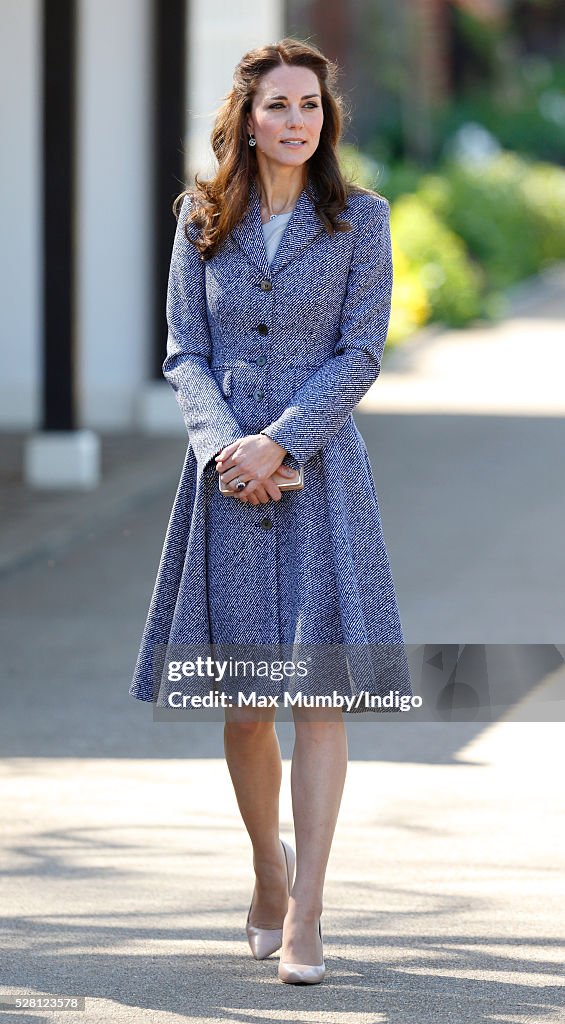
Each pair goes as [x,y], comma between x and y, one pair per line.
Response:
[287,105]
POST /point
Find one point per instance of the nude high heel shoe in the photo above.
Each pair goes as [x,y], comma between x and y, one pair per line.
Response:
[303,974]
[264,941]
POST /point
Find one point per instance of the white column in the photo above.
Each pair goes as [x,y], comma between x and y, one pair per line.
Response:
[20,213]
[114,211]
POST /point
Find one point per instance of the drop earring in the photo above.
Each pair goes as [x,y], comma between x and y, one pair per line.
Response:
[252,140]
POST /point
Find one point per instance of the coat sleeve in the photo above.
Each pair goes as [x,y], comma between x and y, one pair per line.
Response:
[322,404]
[209,419]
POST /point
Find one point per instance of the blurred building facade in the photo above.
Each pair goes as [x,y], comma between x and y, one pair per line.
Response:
[402,64]
[106,113]
[102,103]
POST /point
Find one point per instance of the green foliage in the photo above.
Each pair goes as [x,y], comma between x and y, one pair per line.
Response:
[359,167]
[510,213]
[525,112]
[466,232]
[451,281]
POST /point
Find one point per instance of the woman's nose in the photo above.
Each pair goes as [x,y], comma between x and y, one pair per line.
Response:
[294,119]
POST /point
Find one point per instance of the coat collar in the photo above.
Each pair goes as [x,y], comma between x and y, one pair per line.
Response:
[303,226]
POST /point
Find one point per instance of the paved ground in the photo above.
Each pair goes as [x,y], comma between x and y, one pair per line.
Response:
[126,871]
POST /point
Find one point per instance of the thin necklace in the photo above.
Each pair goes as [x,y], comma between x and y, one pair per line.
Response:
[281,213]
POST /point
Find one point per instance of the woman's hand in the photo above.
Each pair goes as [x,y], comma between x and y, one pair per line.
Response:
[257,459]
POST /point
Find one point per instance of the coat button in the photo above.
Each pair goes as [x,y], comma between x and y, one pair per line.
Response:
[259,395]
[262,328]
[266,285]
[261,360]
[266,523]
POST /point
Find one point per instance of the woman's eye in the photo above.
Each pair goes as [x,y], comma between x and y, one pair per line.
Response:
[309,104]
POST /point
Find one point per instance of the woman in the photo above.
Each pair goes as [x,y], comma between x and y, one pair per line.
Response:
[278,308]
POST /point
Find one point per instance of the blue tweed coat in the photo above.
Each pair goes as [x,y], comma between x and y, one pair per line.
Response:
[287,349]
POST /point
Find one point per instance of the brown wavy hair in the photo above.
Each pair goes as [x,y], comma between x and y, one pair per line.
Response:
[220,203]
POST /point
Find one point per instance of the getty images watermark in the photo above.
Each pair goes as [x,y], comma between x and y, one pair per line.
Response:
[256,681]
[361,701]
[424,682]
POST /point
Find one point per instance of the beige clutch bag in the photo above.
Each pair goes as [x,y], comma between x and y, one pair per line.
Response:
[284,483]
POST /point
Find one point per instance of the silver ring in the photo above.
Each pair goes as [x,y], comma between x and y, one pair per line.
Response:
[240,484]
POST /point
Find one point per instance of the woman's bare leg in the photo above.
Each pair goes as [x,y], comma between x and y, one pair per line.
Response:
[253,756]
[319,767]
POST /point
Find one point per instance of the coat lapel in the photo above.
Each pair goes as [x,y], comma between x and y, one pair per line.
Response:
[303,227]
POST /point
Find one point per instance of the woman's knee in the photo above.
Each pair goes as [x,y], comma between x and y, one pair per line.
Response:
[318,718]
[247,722]
[320,732]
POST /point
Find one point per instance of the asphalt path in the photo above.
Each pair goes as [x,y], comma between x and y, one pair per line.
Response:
[126,870]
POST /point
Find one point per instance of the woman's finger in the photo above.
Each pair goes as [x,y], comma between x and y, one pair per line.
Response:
[272,489]
[227,451]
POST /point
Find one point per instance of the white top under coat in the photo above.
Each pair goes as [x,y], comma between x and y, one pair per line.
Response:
[273,231]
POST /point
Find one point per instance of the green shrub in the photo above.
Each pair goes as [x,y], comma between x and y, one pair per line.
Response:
[526,118]
[464,233]
[484,205]
[410,308]
[544,195]
[451,281]
[509,213]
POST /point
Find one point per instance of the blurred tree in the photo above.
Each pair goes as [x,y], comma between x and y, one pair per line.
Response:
[540,25]
[425,81]
[405,65]
[330,22]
